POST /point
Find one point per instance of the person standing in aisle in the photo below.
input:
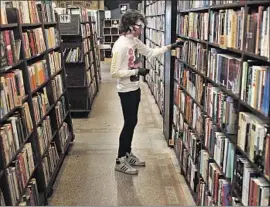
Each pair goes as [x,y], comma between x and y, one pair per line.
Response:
[125,67]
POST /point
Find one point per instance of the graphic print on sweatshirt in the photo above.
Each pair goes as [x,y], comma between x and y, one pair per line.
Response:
[133,63]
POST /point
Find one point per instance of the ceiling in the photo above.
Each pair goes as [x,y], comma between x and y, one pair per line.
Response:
[113,4]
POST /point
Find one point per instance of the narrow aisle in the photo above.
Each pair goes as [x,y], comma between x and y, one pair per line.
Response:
[87,176]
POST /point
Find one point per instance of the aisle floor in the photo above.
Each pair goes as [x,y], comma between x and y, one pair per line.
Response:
[87,176]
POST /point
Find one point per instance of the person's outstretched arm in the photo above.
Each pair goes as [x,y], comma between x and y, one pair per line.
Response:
[117,69]
[151,52]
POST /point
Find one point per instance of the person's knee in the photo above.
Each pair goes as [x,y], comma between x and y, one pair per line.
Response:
[131,123]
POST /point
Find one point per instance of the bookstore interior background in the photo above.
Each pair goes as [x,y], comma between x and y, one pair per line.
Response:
[204,122]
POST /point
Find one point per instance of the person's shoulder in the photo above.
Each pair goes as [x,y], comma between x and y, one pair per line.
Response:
[120,45]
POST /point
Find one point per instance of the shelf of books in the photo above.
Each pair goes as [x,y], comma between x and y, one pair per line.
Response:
[221,101]
[35,122]
[80,61]
[154,37]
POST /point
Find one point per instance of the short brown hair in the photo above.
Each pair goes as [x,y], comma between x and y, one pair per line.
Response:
[129,18]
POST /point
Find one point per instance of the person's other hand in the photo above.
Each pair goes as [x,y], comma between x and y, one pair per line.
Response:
[143,71]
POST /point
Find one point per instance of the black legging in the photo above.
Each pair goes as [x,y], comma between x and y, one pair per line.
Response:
[130,105]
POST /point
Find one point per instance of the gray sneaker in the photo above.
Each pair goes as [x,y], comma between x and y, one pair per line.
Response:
[123,166]
[134,161]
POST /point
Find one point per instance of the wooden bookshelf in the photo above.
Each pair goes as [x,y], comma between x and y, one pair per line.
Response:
[179,133]
[82,74]
[33,137]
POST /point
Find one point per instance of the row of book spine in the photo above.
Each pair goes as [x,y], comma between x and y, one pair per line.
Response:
[226,28]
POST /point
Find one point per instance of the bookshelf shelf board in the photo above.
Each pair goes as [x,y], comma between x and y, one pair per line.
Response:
[8,26]
[193,39]
[50,23]
[222,88]
[220,168]
[36,56]
[8,114]
[54,48]
[50,109]
[71,35]
[228,6]
[255,111]
[160,30]
[236,51]
[19,150]
[189,153]
[87,22]
[31,25]
[155,15]
[56,73]
[192,68]
[261,2]
[25,98]
[41,86]
[86,37]
[231,137]
[62,122]
[187,93]
[189,125]
[24,190]
[258,57]
[9,67]
[48,145]
[260,173]
[194,10]
[150,3]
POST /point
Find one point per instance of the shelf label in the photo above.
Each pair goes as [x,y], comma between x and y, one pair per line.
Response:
[65,18]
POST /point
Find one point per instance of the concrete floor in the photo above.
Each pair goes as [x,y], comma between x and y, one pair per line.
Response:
[87,176]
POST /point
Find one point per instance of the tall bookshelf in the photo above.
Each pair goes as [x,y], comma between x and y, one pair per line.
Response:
[159,31]
[80,61]
[221,101]
[36,126]
[155,37]
[96,51]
